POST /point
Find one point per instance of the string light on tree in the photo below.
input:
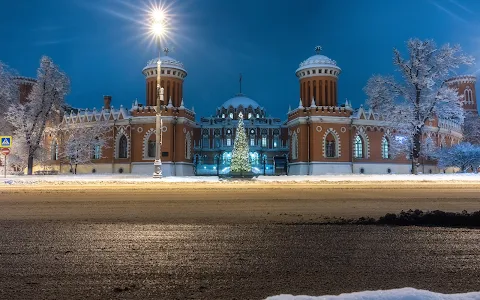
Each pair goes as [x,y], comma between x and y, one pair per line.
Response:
[240,151]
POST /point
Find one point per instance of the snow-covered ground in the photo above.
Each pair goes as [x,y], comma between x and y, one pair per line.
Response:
[397,294]
[132,178]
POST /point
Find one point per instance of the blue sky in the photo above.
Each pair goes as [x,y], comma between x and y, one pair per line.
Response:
[102,45]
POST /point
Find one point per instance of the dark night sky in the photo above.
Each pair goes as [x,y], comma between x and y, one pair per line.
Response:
[102,46]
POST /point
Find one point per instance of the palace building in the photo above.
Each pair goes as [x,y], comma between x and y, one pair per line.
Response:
[319,136]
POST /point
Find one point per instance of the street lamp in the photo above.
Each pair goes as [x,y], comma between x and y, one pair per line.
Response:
[158,29]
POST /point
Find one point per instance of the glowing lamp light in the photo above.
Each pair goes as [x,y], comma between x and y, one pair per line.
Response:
[158,15]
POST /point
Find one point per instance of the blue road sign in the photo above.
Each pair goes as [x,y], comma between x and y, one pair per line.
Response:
[6,141]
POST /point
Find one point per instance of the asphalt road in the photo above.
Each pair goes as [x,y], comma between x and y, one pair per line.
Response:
[228,241]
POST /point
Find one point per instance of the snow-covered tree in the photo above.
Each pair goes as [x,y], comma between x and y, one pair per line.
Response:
[464,156]
[471,128]
[240,151]
[43,103]
[80,144]
[422,94]
[8,96]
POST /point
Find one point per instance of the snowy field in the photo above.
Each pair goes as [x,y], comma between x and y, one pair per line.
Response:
[397,294]
[132,179]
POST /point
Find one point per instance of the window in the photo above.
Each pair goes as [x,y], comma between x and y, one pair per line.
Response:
[188,146]
[223,116]
[217,141]
[206,142]
[330,146]
[264,141]
[122,147]
[252,141]
[229,142]
[358,147]
[249,115]
[151,148]
[258,116]
[385,148]
[275,141]
[54,150]
[96,151]
[231,115]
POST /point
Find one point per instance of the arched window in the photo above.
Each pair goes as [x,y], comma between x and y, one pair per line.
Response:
[231,115]
[123,147]
[330,146]
[294,145]
[249,115]
[385,148]
[468,95]
[358,147]
[54,151]
[151,147]
[96,151]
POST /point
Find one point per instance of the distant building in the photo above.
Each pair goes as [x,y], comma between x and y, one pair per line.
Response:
[320,136]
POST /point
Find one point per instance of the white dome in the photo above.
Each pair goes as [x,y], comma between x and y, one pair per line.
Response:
[238,100]
[318,61]
[166,62]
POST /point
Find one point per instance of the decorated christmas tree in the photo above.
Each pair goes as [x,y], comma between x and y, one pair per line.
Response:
[240,151]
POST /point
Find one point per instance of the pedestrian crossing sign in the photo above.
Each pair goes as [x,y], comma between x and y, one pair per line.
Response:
[6,141]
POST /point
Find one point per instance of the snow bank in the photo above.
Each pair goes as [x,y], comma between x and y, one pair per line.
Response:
[397,294]
[100,179]
[370,178]
[135,178]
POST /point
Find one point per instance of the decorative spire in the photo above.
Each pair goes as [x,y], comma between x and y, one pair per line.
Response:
[289,108]
[300,103]
[347,104]
[240,83]
[170,102]
[181,104]
[318,49]
[313,103]
[193,109]
[136,102]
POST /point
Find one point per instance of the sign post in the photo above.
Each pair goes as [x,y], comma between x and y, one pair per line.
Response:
[5,152]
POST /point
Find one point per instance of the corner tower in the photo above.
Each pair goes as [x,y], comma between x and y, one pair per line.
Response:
[466,88]
[172,75]
[318,80]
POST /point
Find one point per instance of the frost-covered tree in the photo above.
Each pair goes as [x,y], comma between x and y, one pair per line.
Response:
[43,103]
[82,143]
[464,156]
[471,128]
[240,151]
[421,94]
[8,96]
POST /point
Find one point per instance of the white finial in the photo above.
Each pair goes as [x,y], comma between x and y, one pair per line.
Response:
[318,49]
[289,108]
[300,103]
[313,103]
[170,102]
[193,109]
[136,102]
[181,104]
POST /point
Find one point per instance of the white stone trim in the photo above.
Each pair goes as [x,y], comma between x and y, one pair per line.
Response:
[366,147]
[119,134]
[146,138]
[188,145]
[337,143]
[294,145]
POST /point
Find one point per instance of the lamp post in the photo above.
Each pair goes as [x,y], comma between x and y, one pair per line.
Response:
[157,30]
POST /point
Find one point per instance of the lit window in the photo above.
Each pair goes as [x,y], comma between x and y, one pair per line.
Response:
[264,141]
[231,115]
[96,153]
[358,147]
[229,142]
[249,115]
[252,141]
[206,142]
[258,116]
[275,142]
[223,116]
[385,146]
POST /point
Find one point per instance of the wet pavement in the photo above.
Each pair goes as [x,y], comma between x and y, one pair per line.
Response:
[66,260]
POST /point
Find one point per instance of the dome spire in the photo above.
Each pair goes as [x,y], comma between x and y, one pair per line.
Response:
[318,49]
[166,50]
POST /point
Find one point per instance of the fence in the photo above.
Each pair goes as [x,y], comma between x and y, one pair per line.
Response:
[215,167]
